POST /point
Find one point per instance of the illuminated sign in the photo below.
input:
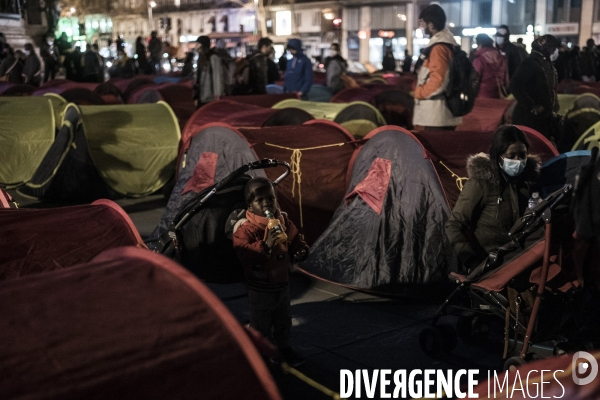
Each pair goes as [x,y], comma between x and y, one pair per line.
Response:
[283,23]
[386,34]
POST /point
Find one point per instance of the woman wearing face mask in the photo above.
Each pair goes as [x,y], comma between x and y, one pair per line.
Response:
[494,198]
[534,86]
[32,69]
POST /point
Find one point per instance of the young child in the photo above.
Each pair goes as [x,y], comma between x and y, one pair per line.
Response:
[267,273]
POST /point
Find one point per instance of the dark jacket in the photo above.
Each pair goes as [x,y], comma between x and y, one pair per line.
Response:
[32,70]
[12,67]
[264,271]
[514,56]
[589,61]
[93,70]
[155,48]
[534,84]
[298,73]
[272,72]
[389,62]
[334,68]
[259,73]
[488,207]
[142,60]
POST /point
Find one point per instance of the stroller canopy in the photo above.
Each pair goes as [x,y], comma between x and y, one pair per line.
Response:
[562,170]
[43,240]
[389,230]
[118,150]
[358,117]
[401,190]
[26,134]
[128,324]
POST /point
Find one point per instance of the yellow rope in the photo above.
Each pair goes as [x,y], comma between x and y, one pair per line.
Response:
[459,180]
[297,173]
[310,382]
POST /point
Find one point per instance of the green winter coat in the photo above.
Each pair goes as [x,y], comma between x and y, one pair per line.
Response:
[488,207]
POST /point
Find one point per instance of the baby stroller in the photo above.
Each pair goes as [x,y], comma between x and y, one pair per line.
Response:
[199,237]
[501,287]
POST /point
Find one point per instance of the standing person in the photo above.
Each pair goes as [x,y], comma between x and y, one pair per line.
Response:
[258,68]
[494,198]
[514,55]
[534,87]
[491,67]
[119,42]
[11,68]
[32,70]
[335,67]
[282,62]
[272,68]
[589,61]
[155,50]
[209,74]
[72,63]
[298,73]
[407,63]
[389,62]
[63,44]
[51,56]
[267,260]
[123,67]
[430,110]
[93,70]
[140,53]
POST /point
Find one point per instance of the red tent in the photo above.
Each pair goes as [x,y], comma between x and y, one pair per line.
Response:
[74,93]
[487,115]
[128,324]
[12,89]
[42,240]
[262,100]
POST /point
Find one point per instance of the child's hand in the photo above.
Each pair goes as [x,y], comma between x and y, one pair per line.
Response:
[271,238]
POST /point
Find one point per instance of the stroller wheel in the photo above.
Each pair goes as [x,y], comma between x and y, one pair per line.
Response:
[472,329]
[513,363]
[431,341]
[449,336]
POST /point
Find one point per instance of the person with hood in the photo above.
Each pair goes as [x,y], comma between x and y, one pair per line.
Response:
[589,61]
[491,67]
[298,73]
[11,68]
[514,54]
[388,64]
[51,56]
[258,68]
[209,74]
[430,110]
[494,198]
[335,67]
[32,70]
[534,87]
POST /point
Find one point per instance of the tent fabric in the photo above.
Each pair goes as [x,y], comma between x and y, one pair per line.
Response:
[453,148]
[146,94]
[566,102]
[59,106]
[320,93]
[581,117]
[262,100]
[171,337]
[486,115]
[357,117]
[589,139]
[181,99]
[24,140]
[42,240]
[374,187]
[6,200]
[238,114]
[405,243]
[109,152]
[11,89]
[204,173]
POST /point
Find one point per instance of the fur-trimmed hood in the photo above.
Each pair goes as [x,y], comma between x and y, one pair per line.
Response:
[479,167]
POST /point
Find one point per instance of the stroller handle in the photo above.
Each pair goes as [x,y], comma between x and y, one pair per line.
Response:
[272,163]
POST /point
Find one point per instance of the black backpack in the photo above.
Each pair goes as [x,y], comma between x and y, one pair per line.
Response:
[463,84]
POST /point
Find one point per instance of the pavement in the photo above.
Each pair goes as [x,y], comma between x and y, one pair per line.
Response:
[338,328]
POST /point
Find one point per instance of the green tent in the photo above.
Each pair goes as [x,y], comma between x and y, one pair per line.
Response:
[358,117]
[566,102]
[590,138]
[27,129]
[59,105]
[109,151]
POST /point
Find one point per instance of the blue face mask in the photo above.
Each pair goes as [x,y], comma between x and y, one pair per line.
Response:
[513,167]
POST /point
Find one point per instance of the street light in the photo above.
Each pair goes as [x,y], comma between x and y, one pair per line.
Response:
[151,5]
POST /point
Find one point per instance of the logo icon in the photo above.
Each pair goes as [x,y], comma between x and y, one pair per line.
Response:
[581,368]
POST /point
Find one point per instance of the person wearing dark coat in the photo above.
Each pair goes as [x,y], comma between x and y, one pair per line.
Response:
[11,68]
[272,69]
[123,67]
[140,53]
[298,73]
[407,63]
[494,198]
[259,68]
[51,56]
[72,63]
[155,49]
[589,61]
[335,67]
[534,87]
[32,70]
[515,55]
[389,62]
[93,70]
